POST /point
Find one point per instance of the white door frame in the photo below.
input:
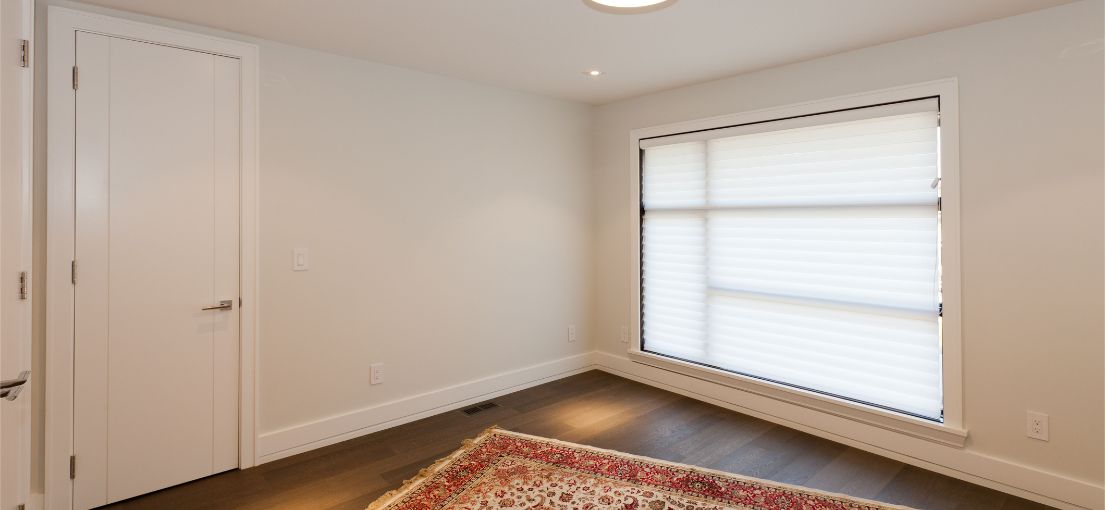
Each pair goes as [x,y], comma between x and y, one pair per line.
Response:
[62,24]
[18,203]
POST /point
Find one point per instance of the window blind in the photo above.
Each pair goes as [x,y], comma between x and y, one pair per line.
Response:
[803,251]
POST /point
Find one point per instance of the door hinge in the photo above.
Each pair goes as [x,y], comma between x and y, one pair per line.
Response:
[72,467]
[73,272]
[24,53]
[75,76]
[23,285]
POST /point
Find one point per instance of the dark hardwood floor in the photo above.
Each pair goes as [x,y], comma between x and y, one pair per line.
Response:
[593,408]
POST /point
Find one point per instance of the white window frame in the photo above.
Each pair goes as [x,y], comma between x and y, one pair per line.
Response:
[952,431]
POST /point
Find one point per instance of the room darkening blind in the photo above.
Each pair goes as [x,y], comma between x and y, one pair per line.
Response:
[803,252]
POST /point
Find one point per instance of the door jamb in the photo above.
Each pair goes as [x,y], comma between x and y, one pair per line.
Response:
[62,24]
[22,315]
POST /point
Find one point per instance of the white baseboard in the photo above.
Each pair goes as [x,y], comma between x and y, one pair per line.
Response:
[290,441]
[999,474]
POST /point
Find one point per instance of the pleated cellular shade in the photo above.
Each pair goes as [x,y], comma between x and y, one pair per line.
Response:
[803,252]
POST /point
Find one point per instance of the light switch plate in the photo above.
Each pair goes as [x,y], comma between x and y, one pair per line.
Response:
[301,259]
[376,373]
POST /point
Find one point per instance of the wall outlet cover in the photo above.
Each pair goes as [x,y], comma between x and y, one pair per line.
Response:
[1037,426]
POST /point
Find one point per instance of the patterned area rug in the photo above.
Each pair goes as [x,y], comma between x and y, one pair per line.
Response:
[508,470]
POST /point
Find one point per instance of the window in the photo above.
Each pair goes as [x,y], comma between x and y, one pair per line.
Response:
[803,251]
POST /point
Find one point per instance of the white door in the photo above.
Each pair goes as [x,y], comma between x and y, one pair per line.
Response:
[156,243]
[15,254]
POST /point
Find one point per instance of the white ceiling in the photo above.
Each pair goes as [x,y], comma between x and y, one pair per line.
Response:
[543,46]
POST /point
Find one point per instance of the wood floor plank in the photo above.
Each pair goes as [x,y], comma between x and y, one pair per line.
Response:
[593,408]
[856,472]
[812,455]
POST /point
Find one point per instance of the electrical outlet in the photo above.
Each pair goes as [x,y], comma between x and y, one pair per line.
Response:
[1037,426]
[571,333]
[625,334]
[376,373]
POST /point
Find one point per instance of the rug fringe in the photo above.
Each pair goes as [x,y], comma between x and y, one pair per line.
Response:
[428,471]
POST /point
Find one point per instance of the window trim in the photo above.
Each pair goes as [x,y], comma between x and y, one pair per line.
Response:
[952,431]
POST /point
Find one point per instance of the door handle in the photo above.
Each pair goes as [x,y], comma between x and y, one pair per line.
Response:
[10,388]
[226,304]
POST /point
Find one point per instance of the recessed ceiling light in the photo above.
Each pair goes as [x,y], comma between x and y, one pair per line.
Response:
[628,6]
[593,72]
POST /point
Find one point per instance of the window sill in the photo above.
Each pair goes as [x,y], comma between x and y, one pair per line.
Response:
[944,434]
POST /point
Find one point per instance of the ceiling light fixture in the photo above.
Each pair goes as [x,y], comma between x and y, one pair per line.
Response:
[628,6]
[593,72]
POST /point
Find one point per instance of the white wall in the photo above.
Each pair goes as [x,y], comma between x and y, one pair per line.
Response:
[448,225]
[1032,212]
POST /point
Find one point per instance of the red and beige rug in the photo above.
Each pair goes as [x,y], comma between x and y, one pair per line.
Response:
[508,470]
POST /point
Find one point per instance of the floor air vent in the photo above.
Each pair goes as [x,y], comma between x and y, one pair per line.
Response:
[479,408]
